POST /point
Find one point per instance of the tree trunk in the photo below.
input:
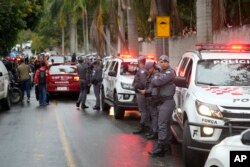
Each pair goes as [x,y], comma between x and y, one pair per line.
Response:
[163,8]
[204,21]
[218,15]
[63,36]
[72,36]
[133,45]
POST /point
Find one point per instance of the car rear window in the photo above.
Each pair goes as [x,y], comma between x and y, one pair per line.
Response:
[57,59]
[65,69]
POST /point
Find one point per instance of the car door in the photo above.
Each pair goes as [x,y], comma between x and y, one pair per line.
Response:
[3,72]
[110,79]
[185,70]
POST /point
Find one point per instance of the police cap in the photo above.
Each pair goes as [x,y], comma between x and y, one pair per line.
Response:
[141,58]
[149,65]
[164,58]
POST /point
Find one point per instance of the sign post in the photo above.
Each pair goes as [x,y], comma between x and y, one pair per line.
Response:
[163,26]
[163,29]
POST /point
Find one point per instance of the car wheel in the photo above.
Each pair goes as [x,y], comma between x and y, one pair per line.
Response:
[118,111]
[190,155]
[6,102]
[16,95]
[104,106]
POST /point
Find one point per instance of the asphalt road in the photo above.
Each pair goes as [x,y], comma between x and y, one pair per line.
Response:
[60,135]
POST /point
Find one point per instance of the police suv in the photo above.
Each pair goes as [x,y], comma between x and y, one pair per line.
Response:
[234,150]
[4,87]
[116,88]
[212,98]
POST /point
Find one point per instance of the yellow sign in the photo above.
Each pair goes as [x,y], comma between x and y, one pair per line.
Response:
[163,26]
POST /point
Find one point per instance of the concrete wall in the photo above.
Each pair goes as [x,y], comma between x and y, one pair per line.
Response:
[178,45]
[233,35]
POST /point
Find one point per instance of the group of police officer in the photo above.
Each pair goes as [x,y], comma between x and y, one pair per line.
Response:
[155,88]
[89,73]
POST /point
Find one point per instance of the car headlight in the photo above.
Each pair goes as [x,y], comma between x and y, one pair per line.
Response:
[127,86]
[208,110]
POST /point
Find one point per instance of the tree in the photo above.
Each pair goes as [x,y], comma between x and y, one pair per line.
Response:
[15,16]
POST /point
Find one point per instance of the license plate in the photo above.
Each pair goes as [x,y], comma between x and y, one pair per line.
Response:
[61,88]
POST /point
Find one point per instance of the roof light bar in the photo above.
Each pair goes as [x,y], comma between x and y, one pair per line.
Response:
[228,47]
[125,56]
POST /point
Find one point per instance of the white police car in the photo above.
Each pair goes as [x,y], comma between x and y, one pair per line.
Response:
[239,148]
[212,98]
[117,89]
[4,87]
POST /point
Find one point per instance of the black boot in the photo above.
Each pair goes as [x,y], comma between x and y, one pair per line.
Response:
[157,151]
[153,136]
[140,130]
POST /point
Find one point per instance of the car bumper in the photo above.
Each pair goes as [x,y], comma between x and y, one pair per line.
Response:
[229,129]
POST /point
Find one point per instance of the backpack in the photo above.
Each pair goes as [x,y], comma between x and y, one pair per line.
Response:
[42,77]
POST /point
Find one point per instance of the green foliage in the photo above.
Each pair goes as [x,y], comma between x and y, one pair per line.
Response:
[142,9]
[187,11]
[16,15]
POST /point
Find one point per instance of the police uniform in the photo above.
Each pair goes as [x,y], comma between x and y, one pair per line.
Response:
[164,82]
[150,92]
[84,82]
[140,83]
[96,79]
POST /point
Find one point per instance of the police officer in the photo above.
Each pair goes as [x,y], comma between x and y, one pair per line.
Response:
[149,92]
[96,79]
[163,81]
[140,83]
[82,69]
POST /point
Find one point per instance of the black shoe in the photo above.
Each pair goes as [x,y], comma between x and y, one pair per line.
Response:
[96,108]
[149,133]
[28,100]
[153,136]
[77,104]
[84,106]
[159,151]
[140,130]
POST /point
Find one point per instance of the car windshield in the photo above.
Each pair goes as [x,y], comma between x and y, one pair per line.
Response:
[62,69]
[128,68]
[227,72]
[57,59]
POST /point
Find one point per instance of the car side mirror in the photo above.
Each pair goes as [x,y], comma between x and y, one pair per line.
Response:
[181,82]
[1,74]
[245,139]
[112,73]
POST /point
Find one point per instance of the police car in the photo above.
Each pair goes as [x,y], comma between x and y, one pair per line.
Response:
[117,89]
[4,87]
[233,149]
[212,98]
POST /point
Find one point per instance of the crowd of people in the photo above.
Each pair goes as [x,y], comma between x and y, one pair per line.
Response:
[29,72]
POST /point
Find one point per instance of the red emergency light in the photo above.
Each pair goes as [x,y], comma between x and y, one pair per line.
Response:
[221,47]
[126,56]
[150,57]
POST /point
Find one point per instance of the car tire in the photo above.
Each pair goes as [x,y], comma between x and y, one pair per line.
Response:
[118,111]
[190,155]
[16,95]
[104,106]
[6,103]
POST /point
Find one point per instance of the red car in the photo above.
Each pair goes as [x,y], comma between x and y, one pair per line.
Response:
[63,78]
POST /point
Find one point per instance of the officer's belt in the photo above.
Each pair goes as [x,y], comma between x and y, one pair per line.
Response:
[166,97]
[163,98]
